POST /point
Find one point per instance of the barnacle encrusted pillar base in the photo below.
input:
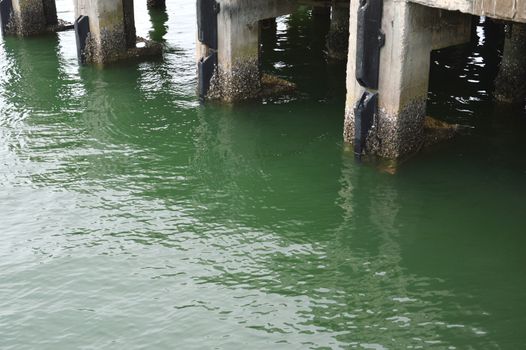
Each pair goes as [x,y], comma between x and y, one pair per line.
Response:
[411,32]
[112,31]
[237,76]
[27,18]
[241,82]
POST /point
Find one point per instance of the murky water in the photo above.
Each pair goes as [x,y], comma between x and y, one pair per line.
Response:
[133,217]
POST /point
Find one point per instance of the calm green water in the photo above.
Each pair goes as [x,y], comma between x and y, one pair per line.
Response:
[132,217]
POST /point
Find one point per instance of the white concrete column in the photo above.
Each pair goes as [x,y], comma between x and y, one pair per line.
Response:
[411,32]
[28,18]
[237,76]
[510,85]
[107,39]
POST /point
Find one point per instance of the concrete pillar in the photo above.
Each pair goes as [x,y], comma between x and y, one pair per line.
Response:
[129,23]
[411,32]
[510,85]
[112,30]
[338,37]
[159,4]
[237,76]
[31,17]
[107,38]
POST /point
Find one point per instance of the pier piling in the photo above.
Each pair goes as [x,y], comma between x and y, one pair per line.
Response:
[510,85]
[411,32]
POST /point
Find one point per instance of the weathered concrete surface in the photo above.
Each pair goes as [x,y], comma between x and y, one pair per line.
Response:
[411,32]
[338,37]
[237,76]
[510,85]
[107,39]
[112,31]
[28,18]
[511,10]
[31,17]
[451,28]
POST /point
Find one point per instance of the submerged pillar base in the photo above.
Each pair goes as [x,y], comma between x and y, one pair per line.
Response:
[510,85]
[28,17]
[241,82]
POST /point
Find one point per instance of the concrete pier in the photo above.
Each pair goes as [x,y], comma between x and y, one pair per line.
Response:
[107,39]
[338,37]
[237,76]
[510,85]
[30,17]
[411,32]
[112,34]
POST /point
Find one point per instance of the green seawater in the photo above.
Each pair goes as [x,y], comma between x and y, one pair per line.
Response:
[133,217]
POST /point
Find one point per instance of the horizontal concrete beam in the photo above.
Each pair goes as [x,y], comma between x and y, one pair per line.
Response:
[509,10]
[253,11]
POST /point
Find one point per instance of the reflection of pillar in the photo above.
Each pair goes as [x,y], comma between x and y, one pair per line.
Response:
[31,17]
[158,18]
[510,85]
[338,37]
[158,4]
[411,32]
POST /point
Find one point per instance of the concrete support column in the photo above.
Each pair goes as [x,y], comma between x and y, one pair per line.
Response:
[159,4]
[411,32]
[338,37]
[31,17]
[510,85]
[109,36]
[237,76]
[129,23]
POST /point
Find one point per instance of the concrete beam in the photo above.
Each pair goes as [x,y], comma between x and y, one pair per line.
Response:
[411,32]
[451,28]
[510,85]
[510,10]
